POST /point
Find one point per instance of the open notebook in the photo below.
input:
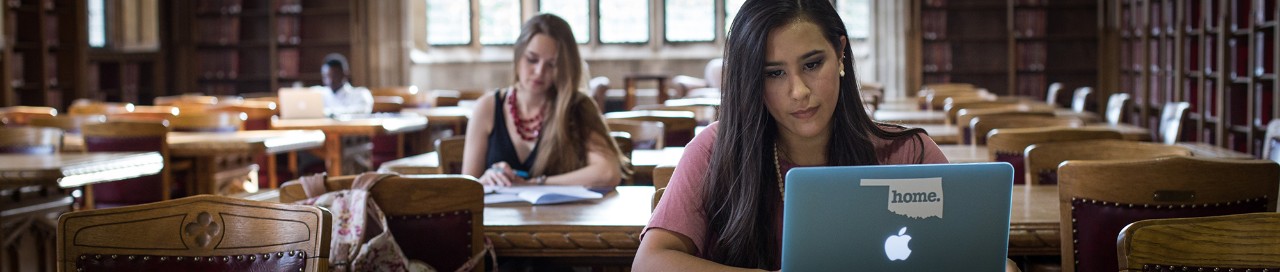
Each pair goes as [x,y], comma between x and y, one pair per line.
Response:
[540,195]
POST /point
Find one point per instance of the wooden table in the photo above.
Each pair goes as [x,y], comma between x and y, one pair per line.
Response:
[610,227]
[427,163]
[35,190]
[941,134]
[629,83]
[1128,132]
[445,122]
[1213,151]
[694,101]
[644,160]
[353,133]
[911,117]
[221,158]
[962,153]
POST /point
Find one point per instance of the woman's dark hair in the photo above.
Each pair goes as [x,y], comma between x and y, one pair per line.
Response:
[742,191]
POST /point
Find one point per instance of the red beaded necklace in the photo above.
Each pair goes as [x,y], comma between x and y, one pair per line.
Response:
[527,128]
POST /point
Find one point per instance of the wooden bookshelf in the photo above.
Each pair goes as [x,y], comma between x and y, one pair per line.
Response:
[229,47]
[125,77]
[1010,47]
[1220,56]
[43,56]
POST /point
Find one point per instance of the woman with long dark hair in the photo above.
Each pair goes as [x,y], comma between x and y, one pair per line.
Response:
[790,99]
[542,129]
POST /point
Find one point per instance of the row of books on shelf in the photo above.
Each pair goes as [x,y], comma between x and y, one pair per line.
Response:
[46,4]
[221,64]
[937,57]
[236,6]
[933,25]
[227,31]
[21,74]
[1029,23]
[49,34]
[225,64]
[1031,56]
[1031,2]
[1031,84]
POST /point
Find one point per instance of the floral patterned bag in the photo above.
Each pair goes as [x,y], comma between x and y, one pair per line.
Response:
[355,215]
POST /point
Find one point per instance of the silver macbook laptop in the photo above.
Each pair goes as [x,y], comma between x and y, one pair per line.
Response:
[301,103]
[952,217]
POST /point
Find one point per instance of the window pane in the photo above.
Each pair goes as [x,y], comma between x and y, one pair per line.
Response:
[572,11]
[448,22]
[499,21]
[690,20]
[624,21]
[731,10]
[97,24]
[857,17]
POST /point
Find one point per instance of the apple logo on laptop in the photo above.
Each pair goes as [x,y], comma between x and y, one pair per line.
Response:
[895,247]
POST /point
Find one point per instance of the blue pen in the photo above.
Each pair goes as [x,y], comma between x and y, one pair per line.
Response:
[522,173]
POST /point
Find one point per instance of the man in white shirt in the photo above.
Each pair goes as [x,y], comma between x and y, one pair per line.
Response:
[340,97]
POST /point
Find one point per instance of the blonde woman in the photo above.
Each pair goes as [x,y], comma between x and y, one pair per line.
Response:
[542,130]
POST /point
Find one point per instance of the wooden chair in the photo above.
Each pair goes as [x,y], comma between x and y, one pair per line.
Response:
[446,98]
[1008,144]
[643,134]
[386,147]
[1080,99]
[198,233]
[129,136]
[1171,121]
[1240,242]
[981,123]
[144,113]
[409,95]
[258,114]
[82,107]
[661,177]
[600,91]
[208,122]
[186,99]
[387,104]
[437,219]
[1269,150]
[1051,95]
[70,124]
[30,140]
[1043,159]
[450,151]
[623,139]
[954,107]
[22,115]
[1098,198]
[1117,105]
[678,126]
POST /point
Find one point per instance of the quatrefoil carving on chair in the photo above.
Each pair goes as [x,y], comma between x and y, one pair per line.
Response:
[203,229]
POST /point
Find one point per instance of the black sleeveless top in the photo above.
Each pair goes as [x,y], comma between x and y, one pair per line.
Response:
[500,146]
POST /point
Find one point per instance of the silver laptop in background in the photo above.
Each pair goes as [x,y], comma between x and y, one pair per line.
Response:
[301,103]
[933,217]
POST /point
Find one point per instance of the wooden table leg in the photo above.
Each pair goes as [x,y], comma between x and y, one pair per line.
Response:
[28,224]
[662,91]
[630,100]
[273,181]
[333,154]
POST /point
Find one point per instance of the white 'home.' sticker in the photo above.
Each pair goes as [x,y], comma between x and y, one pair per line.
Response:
[915,198]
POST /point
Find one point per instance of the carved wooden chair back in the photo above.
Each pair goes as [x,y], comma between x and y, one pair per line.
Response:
[1042,159]
[198,233]
[1098,198]
[678,126]
[1240,242]
[450,151]
[1008,144]
[643,134]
